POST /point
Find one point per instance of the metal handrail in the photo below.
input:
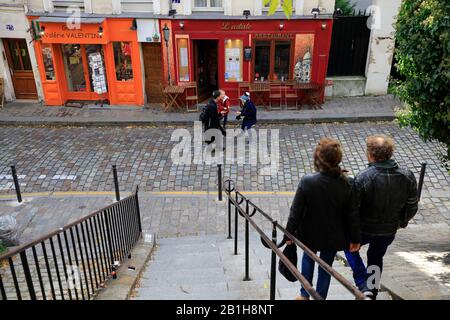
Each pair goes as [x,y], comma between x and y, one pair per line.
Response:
[275,248]
[93,245]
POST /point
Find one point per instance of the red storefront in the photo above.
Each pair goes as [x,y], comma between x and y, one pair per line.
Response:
[98,60]
[221,54]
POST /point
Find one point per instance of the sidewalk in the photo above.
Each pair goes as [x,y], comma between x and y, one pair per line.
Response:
[348,109]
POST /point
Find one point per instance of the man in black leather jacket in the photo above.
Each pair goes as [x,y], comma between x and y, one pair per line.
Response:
[384,197]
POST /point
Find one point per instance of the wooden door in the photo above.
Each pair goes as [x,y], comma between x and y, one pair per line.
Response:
[20,67]
[153,71]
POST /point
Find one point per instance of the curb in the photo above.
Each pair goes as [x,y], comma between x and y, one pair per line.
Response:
[163,123]
[129,272]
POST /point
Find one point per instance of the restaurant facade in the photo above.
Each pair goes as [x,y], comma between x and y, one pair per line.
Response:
[224,53]
[96,60]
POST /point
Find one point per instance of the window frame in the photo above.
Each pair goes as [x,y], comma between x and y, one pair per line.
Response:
[50,46]
[131,63]
[207,7]
[272,57]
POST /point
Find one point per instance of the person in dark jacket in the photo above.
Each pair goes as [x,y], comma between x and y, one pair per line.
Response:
[247,114]
[320,216]
[384,200]
[212,116]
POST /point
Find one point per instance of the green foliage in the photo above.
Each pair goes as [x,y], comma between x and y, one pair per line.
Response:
[422,53]
[286,5]
[346,7]
[2,249]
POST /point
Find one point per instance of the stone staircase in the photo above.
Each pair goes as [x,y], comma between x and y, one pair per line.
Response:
[205,268]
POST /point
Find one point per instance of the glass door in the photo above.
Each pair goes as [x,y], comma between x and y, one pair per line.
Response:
[74,67]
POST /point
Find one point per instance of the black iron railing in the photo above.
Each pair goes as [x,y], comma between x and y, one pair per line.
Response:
[73,262]
[236,199]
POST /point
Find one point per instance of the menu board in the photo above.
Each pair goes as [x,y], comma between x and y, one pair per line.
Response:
[183,59]
[233,60]
[98,72]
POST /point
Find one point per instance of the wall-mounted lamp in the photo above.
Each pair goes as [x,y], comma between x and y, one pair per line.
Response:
[324,25]
[246,13]
[100,31]
[172,13]
[181,24]
[281,25]
[133,25]
[42,31]
[315,12]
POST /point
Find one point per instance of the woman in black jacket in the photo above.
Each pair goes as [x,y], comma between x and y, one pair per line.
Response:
[320,215]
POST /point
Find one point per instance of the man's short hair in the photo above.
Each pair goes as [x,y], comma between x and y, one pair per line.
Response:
[216,94]
[380,147]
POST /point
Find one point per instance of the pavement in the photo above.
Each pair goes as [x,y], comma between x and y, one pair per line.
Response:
[348,109]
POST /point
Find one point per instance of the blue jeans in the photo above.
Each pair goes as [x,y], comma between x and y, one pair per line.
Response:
[323,279]
[377,249]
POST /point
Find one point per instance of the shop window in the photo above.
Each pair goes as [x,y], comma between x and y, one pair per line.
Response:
[73,66]
[262,60]
[183,59]
[282,60]
[47,56]
[233,60]
[122,59]
[272,60]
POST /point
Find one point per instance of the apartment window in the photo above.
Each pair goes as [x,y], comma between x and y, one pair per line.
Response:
[63,5]
[272,60]
[208,4]
[137,5]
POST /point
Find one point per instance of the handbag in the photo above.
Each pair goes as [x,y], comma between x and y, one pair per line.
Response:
[290,251]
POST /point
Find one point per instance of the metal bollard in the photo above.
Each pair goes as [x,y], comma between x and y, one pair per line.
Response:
[273,263]
[422,176]
[219,181]
[16,184]
[229,211]
[247,246]
[116,182]
[236,226]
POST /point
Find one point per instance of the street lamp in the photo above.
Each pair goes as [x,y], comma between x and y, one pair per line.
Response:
[166,33]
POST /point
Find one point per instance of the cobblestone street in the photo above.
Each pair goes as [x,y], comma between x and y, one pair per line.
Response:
[80,159]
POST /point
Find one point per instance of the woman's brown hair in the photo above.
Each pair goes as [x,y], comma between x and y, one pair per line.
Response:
[328,155]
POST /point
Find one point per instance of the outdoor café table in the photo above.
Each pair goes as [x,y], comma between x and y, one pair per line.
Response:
[308,92]
[260,89]
[172,94]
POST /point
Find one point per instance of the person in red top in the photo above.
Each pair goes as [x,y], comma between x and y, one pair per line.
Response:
[224,107]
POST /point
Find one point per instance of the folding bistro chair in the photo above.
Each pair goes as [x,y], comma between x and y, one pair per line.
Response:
[243,87]
[290,93]
[2,92]
[191,96]
[275,94]
[314,96]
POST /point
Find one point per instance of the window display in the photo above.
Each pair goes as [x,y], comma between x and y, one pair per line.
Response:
[183,59]
[233,60]
[122,59]
[47,56]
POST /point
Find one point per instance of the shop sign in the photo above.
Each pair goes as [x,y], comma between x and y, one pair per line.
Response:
[89,33]
[273,36]
[239,26]
[247,53]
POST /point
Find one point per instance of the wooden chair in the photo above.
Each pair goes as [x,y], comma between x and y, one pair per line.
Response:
[290,93]
[314,96]
[243,87]
[191,96]
[2,92]
[275,93]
